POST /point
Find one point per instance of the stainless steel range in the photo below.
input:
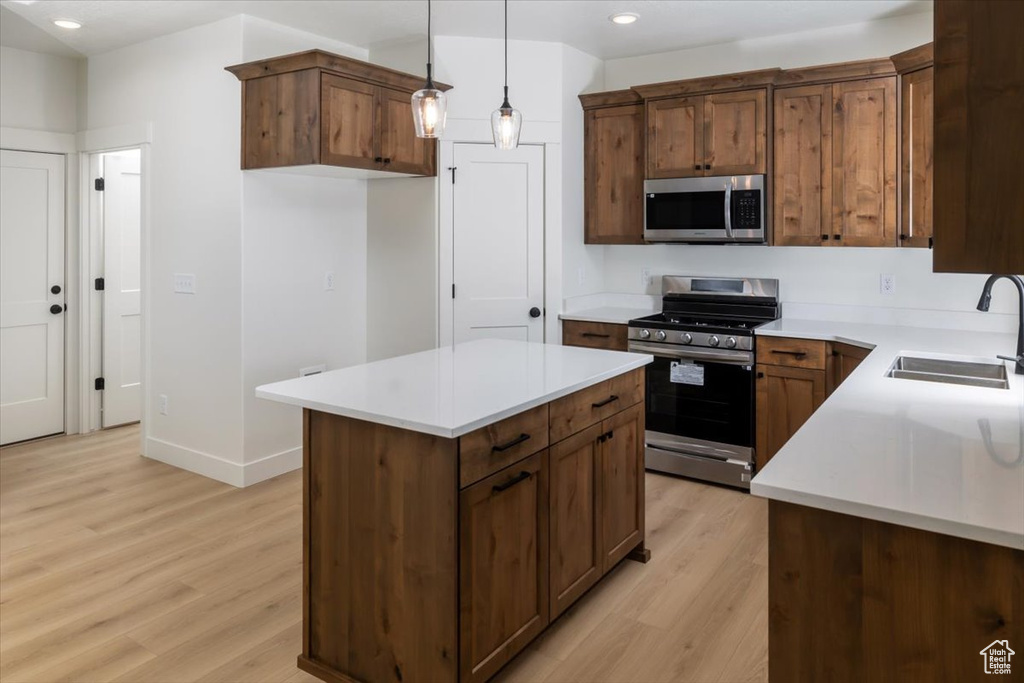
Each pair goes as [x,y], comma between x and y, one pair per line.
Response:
[700,388]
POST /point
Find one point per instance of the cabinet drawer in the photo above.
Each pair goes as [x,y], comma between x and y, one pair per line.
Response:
[576,412]
[491,448]
[792,353]
[594,335]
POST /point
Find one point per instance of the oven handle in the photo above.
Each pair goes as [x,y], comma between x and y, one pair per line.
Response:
[713,355]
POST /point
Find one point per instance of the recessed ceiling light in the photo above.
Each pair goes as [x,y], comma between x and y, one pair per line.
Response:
[24,2]
[67,23]
[624,18]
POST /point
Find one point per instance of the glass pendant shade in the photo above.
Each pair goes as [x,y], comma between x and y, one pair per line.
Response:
[506,123]
[429,111]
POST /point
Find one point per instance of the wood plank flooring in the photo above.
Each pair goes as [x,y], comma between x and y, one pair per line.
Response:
[118,568]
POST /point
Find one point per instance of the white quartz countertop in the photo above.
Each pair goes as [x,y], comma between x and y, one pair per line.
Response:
[453,390]
[608,314]
[938,457]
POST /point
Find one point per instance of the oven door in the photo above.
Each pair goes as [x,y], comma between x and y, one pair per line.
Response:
[701,395]
[687,210]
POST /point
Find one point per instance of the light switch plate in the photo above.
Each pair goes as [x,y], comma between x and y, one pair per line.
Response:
[184,283]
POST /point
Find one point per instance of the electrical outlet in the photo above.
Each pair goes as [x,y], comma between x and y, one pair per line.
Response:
[329,281]
[887,284]
[184,283]
[645,278]
[161,403]
[312,370]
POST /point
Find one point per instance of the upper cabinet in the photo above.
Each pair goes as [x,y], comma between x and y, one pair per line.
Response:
[319,108]
[979,135]
[917,141]
[675,137]
[613,189]
[803,165]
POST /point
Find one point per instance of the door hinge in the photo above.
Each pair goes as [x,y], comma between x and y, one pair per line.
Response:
[99,184]
[99,384]
[453,290]
[100,284]
[452,169]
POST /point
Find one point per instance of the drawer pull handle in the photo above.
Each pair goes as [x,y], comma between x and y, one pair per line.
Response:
[601,404]
[607,435]
[795,354]
[514,442]
[522,476]
[595,334]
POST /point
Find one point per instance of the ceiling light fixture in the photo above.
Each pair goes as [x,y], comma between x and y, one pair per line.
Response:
[67,23]
[429,106]
[506,122]
[624,17]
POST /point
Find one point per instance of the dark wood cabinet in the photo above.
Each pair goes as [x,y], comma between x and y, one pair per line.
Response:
[576,557]
[786,397]
[621,464]
[610,336]
[845,359]
[803,165]
[707,135]
[864,162]
[613,158]
[503,566]
[979,135]
[316,108]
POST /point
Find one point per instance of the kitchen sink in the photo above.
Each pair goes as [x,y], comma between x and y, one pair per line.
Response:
[969,373]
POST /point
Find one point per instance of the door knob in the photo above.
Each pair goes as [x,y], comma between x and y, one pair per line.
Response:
[55,289]
[534,312]
[56,309]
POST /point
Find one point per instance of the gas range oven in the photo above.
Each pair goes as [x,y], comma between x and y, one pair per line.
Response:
[700,388]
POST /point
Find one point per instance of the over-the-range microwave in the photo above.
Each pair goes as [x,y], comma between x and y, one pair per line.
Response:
[716,210]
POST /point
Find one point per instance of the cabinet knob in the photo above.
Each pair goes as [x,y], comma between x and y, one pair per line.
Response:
[707,167]
[824,238]
[387,160]
[378,159]
[837,237]
[760,375]
[697,167]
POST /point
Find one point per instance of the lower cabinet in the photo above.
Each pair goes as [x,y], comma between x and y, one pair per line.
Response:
[503,566]
[621,490]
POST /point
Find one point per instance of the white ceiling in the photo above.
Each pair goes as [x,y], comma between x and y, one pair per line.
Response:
[664,25]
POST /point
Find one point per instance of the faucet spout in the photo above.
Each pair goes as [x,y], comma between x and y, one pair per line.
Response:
[986,300]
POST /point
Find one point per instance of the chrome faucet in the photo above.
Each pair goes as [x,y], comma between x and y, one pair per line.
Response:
[986,299]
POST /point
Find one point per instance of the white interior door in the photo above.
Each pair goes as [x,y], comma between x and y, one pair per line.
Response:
[122,341]
[31,295]
[498,233]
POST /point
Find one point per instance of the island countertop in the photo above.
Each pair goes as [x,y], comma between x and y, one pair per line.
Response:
[938,457]
[453,390]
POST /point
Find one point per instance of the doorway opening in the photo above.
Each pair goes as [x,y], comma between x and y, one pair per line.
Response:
[114,325]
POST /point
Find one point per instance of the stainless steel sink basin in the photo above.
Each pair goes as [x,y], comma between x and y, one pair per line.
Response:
[970,373]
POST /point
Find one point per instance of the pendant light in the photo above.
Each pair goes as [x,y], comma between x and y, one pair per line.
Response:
[506,122]
[429,106]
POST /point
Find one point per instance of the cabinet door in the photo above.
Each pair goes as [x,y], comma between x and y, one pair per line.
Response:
[349,123]
[675,137]
[575,543]
[401,150]
[503,566]
[917,98]
[803,166]
[614,175]
[864,163]
[786,397]
[621,491]
[845,359]
[735,131]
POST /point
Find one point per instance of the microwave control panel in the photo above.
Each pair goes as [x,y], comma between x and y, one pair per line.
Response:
[746,209]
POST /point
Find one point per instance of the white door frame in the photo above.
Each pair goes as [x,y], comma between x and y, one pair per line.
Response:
[552,235]
[92,144]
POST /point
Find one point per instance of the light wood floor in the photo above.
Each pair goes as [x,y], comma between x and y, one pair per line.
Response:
[118,568]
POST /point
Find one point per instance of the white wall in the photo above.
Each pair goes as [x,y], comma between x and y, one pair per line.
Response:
[839,276]
[37,91]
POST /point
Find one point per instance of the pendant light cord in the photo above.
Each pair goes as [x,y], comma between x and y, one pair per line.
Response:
[430,80]
[506,54]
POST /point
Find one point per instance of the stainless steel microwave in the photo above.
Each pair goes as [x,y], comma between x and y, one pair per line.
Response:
[716,210]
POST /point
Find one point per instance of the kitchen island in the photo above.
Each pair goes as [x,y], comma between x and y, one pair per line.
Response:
[456,501]
[896,516]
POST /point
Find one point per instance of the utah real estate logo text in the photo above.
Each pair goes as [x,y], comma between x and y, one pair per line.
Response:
[997,657]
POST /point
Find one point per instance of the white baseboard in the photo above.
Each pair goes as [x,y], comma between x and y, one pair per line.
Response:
[207,465]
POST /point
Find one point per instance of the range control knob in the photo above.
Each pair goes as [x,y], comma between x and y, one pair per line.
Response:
[686,338]
[730,343]
[713,341]
[660,335]
[644,334]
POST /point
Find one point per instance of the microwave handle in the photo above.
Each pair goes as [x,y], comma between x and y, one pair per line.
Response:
[728,210]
